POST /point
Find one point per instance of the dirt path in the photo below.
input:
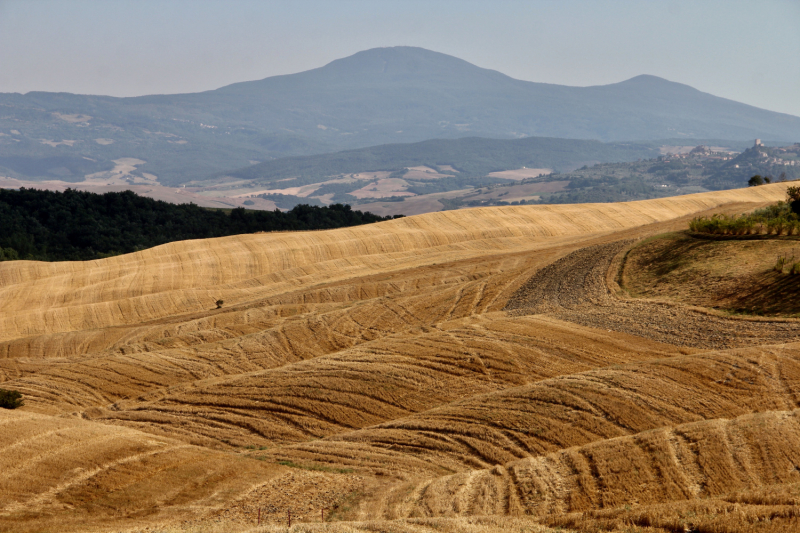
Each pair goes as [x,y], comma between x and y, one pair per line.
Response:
[574,289]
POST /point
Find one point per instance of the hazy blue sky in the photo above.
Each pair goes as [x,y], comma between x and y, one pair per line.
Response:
[744,50]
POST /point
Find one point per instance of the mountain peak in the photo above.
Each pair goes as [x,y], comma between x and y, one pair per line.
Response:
[642,79]
[400,61]
[390,68]
[648,81]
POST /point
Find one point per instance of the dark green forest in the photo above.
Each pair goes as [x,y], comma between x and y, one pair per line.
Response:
[77,226]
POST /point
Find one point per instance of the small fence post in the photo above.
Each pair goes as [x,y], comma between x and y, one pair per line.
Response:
[290,518]
[259,516]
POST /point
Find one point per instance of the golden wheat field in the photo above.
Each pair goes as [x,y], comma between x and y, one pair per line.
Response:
[480,370]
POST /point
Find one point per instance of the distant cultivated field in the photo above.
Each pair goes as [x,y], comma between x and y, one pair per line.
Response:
[514,368]
[522,173]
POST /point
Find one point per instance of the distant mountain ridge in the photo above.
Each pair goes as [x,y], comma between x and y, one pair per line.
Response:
[442,95]
[378,96]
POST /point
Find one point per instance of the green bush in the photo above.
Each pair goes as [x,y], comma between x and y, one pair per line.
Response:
[8,254]
[782,218]
[794,199]
[725,225]
[10,399]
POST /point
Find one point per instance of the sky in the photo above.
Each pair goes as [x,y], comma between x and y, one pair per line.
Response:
[747,51]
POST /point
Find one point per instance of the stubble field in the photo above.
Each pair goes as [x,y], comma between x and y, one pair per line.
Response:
[476,370]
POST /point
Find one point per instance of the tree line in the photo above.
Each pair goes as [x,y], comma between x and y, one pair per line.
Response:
[782,218]
[76,225]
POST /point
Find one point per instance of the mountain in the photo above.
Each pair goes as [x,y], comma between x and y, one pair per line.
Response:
[414,93]
[378,96]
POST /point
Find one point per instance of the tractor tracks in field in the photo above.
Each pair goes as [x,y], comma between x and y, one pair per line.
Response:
[575,289]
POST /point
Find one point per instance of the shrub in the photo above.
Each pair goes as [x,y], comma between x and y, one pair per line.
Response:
[8,254]
[784,260]
[10,399]
[770,227]
[780,263]
[219,304]
[779,219]
[743,225]
[755,180]
[795,269]
[793,199]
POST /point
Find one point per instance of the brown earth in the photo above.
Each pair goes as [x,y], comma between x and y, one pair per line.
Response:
[520,174]
[478,371]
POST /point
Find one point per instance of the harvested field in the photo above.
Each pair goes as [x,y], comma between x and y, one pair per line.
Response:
[413,205]
[382,188]
[688,461]
[522,173]
[576,409]
[60,473]
[517,368]
[427,173]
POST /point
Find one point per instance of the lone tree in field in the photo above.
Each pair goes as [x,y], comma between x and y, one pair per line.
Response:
[10,399]
[219,304]
[755,181]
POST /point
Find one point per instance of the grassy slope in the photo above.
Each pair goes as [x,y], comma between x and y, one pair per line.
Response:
[736,275]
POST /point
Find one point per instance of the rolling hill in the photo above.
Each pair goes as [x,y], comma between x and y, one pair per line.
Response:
[477,370]
[378,96]
[470,157]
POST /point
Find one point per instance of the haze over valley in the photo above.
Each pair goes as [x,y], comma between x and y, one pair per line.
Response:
[198,147]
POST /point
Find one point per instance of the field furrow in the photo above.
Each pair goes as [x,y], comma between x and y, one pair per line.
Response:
[579,408]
